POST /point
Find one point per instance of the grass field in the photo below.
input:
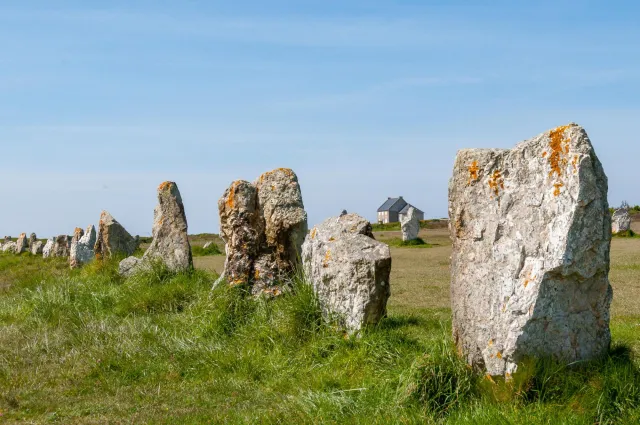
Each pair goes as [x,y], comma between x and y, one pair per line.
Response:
[87,347]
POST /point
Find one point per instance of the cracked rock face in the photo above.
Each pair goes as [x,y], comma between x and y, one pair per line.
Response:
[170,243]
[349,270]
[21,243]
[113,239]
[531,234]
[620,221]
[82,246]
[410,224]
[263,225]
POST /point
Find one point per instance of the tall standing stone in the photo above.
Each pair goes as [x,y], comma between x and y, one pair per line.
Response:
[349,270]
[82,246]
[113,239]
[170,243]
[531,232]
[9,246]
[47,250]
[410,224]
[21,243]
[263,225]
[37,248]
[32,239]
[620,221]
[61,246]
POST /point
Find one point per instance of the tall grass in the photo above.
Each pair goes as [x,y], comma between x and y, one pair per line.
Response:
[88,346]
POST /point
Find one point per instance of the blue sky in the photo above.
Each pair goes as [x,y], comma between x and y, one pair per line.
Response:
[102,101]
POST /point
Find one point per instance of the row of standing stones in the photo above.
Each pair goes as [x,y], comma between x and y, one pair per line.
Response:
[530,229]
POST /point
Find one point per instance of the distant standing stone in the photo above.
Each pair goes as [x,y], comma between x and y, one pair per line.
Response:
[170,243]
[207,245]
[531,231]
[37,248]
[112,238]
[82,246]
[47,250]
[9,247]
[21,243]
[621,221]
[32,239]
[61,246]
[410,223]
[349,270]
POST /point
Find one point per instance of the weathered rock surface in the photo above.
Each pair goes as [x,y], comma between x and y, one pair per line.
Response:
[61,246]
[82,246]
[21,243]
[47,250]
[410,224]
[263,225]
[9,246]
[621,221]
[170,243]
[36,248]
[32,238]
[113,239]
[531,233]
[349,270]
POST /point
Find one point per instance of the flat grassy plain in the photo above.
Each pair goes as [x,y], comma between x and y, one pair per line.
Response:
[88,347]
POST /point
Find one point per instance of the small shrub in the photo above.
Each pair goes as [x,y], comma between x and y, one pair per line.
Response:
[627,234]
[199,251]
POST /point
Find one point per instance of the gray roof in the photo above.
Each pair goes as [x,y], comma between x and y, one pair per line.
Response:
[406,209]
[393,204]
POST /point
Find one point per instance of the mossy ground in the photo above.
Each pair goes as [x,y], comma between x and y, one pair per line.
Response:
[86,346]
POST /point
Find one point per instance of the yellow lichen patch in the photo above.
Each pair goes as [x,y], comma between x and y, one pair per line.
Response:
[559,146]
[331,239]
[313,233]
[256,274]
[499,355]
[490,343]
[496,182]
[489,378]
[574,163]
[165,185]
[473,172]
[557,186]
[230,201]
[544,154]
[327,257]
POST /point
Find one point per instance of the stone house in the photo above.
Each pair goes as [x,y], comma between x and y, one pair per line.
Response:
[394,208]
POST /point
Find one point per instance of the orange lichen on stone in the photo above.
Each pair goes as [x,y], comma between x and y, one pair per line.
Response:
[230,202]
[327,257]
[165,185]
[557,186]
[544,154]
[473,172]
[314,232]
[496,182]
[574,163]
[490,342]
[489,378]
[559,146]
[256,275]
[499,355]
[287,171]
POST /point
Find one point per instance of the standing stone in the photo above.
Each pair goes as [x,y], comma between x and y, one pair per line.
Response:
[349,270]
[170,243]
[531,232]
[36,248]
[47,250]
[21,243]
[410,223]
[82,247]
[621,221]
[263,225]
[61,246]
[32,239]
[9,246]
[207,245]
[7,239]
[113,239]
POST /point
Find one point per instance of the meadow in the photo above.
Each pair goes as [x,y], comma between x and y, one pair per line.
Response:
[89,347]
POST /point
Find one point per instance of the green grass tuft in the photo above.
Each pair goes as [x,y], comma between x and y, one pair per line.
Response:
[199,251]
